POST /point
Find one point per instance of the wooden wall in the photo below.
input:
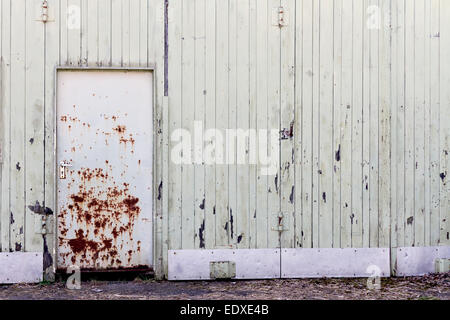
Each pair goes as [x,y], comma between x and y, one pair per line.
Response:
[368,164]
[108,33]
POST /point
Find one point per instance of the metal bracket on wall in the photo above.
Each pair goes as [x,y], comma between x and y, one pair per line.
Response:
[282,222]
[280,17]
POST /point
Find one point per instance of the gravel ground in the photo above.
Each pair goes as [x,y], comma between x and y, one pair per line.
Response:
[434,287]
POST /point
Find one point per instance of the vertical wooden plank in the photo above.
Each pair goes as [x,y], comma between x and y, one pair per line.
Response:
[93,34]
[104,32]
[357,105]
[52,55]
[155,12]
[307,112]
[187,120]
[346,123]
[243,117]
[434,139]
[374,110]
[5,213]
[298,125]
[316,125]
[325,138]
[426,120]
[400,121]
[231,147]
[73,12]
[34,122]
[143,33]
[384,140]
[116,32]
[366,126]
[62,23]
[200,106]
[419,126]
[84,32]
[273,121]
[210,120]
[175,76]
[262,222]
[445,127]
[409,123]
[222,108]
[287,90]
[126,30]
[393,123]
[18,104]
[337,106]
[135,13]
[253,109]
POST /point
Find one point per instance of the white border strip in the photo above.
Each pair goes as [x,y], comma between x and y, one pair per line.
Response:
[250,263]
[347,262]
[21,267]
[417,261]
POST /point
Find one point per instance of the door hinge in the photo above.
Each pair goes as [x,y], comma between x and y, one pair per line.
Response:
[44,13]
[280,17]
[282,222]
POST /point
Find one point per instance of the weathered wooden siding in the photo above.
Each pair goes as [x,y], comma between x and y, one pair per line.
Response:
[368,165]
[365,87]
[108,33]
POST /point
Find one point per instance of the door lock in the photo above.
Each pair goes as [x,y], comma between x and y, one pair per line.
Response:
[62,169]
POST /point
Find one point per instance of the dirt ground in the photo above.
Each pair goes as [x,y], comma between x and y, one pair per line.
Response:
[431,287]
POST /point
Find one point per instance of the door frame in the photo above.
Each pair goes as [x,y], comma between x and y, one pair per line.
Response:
[152,69]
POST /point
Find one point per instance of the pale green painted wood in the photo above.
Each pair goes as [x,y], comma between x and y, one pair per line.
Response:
[316,125]
[210,120]
[325,130]
[188,181]
[222,122]
[366,129]
[104,33]
[199,115]
[273,122]
[409,124]
[399,133]
[345,125]
[230,67]
[34,123]
[337,109]
[434,123]
[444,127]
[242,211]
[384,140]
[298,127]
[231,148]
[306,98]
[253,109]
[52,37]
[17,116]
[261,212]
[374,132]
[287,108]
[6,124]
[175,105]
[357,125]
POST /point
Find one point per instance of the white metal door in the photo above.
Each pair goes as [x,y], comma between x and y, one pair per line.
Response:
[104,178]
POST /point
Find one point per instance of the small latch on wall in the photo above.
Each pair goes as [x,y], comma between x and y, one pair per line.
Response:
[282,222]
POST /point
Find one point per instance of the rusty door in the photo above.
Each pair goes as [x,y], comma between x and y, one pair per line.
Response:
[104,160]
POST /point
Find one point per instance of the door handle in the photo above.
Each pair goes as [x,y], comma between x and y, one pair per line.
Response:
[62,169]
